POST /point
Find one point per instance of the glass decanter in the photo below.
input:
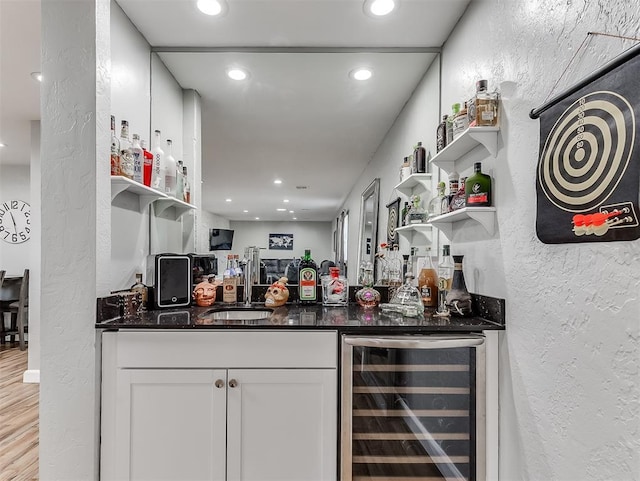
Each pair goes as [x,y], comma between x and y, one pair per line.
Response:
[416,214]
[439,204]
[367,296]
[458,298]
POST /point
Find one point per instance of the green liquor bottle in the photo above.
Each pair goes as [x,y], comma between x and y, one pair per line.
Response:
[307,279]
[477,188]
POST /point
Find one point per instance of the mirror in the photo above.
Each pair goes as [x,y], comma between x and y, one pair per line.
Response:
[368,230]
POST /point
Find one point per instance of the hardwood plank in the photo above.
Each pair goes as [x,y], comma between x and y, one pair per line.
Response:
[19,424]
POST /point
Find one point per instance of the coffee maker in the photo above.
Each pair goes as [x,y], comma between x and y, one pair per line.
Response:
[203,266]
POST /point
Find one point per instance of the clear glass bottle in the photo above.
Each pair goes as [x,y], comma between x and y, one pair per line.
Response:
[170,169]
[335,288]
[141,289]
[460,122]
[126,154]
[458,200]
[486,105]
[157,176]
[439,204]
[367,297]
[307,279]
[229,283]
[417,214]
[478,188]
[115,149]
[458,298]
[394,266]
[441,134]
[403,216]
[455,108]
[420,156]
[138,158]
[445,276]
[187,186]
[147,166]
[428,282]
[179,182]
[406,299]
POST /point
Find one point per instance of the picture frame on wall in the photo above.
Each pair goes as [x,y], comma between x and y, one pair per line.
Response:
[283,242]
[393,221]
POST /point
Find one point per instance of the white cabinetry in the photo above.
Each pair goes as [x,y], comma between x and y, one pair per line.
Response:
[447,158]
[238,406]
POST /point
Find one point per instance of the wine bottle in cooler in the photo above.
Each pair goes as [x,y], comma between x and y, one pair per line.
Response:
[170,171]
[157,175]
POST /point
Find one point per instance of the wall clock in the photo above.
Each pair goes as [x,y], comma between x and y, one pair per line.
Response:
[15,221]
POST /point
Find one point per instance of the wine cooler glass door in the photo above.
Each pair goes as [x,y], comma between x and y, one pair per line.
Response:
[413,408]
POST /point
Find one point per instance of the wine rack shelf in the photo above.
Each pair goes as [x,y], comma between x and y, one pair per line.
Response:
[486,216]
[407,185]
[147,196]
[469,140]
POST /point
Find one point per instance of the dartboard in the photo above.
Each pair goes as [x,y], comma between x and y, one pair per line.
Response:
[587,151]
[392,221]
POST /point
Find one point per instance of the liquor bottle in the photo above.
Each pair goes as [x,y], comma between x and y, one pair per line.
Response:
[439,204]
[147,166]
[458,201]
[229,283]
[416,214]
[335,288]
[157,176]
[486,105]
[138,158]
[170,167]
[126,154]
[237,270]
[455,108]
[458,298]
[441,134]
[140,288]
[187,186]
[460,122]
[405,210]
[420,156]
[115,149]
[428,283]
[454,182]
[307,279]
[478,188]
[445,275]
[179,182]
[394,267]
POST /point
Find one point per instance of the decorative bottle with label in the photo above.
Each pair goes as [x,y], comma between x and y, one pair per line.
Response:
[458,199]
[126,154]
[115,149]
[478,188]
[335,288]
[439,204]
[486,106]
[445,276]
[147,166]
[157,176]
[187,186]
[428,283]
[455,108]
[229,283]
[460,122]
[458,298]
[441,134]
[138,158]
[307,279]
[420,156]
[141,289]
[170,167]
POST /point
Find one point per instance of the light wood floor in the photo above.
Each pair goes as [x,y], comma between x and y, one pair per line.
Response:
[18,418]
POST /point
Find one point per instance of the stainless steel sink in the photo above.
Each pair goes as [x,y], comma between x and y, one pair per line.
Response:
[240,314]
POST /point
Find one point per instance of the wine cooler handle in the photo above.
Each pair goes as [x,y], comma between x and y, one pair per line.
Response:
[405,342]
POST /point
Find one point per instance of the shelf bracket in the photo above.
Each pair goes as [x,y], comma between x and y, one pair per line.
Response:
[486,219]
[117,189]
[145,200]
[490,141]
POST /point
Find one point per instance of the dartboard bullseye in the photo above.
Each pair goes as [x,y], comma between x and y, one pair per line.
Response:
[587,151]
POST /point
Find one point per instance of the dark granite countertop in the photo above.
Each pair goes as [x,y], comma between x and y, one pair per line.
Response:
[353,319]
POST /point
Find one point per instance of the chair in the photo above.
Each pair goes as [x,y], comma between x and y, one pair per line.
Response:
[20,310]
[2,330]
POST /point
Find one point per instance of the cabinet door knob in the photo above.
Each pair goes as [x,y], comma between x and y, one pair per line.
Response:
[233,383]
[219,383]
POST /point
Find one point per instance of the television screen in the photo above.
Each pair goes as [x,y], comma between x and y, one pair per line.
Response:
[220,239]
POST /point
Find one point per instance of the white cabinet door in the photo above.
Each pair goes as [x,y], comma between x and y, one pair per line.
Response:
[170,425]
[282,425]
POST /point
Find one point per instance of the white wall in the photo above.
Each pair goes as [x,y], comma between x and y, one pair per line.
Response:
[208,220]
[570,380]
[15,185]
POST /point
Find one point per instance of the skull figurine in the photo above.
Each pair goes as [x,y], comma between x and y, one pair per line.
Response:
[204,293]
[277,294]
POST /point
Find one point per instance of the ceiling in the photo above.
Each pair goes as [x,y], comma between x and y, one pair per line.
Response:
[298,117]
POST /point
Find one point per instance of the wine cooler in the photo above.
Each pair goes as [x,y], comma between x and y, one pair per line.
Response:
[413,408]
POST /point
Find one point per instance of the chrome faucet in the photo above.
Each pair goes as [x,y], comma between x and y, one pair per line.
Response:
[250,261]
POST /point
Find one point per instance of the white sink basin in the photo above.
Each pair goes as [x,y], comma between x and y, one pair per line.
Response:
[240,314]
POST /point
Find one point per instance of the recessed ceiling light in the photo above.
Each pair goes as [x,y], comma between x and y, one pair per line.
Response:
[257,218]
[295,218]
[379,8]
[227,200]
[36,76]
[361,74]
[2,145]
[281,210]
[277,181]
[290,212]
[237,73]
[212,7]
[245,211]
[285,200]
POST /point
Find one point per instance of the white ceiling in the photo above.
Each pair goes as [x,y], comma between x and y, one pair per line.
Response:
[298,117]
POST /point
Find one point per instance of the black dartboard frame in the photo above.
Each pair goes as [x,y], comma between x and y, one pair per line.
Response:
[393,221]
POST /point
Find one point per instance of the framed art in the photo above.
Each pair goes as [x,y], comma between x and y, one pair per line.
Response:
[283,242]
[393,220]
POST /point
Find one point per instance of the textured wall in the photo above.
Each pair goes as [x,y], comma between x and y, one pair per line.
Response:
[570,357]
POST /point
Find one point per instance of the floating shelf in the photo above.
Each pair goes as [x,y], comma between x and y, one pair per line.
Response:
[406,186]
[147,195]
[470,139]
[407,231]
[181,207]
[484,215]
